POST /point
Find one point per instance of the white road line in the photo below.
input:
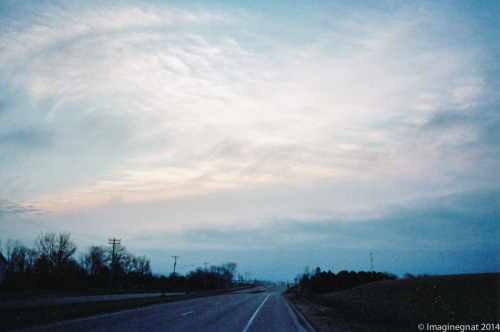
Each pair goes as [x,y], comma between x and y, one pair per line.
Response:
[298,326]
[255,314]
[187,313]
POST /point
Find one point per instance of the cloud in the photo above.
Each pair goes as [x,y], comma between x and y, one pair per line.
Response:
[27,138]
[451,234]
[135,82]
[16,209]
[208,119]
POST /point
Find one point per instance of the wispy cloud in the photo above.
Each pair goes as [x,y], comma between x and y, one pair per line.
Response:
[333,112]
[135,82]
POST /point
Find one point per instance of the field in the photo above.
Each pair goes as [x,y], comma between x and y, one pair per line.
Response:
[401,305]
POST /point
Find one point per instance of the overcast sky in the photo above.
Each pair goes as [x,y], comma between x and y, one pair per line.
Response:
[274,134]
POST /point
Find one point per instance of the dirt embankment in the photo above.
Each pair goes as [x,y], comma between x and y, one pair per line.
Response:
[401,305]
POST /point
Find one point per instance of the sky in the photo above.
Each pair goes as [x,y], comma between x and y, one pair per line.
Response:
[273,134]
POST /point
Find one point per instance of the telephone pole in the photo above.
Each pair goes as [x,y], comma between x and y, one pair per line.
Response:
[114,242]
[175,262]
[205,276]
[371,259]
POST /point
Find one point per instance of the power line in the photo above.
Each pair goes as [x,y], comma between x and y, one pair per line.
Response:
[27,221]
[14,234]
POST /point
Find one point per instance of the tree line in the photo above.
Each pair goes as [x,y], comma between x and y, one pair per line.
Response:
[214,277]
[326,282]
[53,264]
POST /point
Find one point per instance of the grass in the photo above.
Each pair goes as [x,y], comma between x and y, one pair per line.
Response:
[400,305]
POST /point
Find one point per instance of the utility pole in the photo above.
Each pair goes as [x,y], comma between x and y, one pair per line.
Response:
[114,242]
[205,276]
[371,259]
[175,262]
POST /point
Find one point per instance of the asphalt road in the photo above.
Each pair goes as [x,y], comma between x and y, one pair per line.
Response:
[258,309]
[38,301]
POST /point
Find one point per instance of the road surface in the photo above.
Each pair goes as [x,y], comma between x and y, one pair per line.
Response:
[38,301]
[258,309]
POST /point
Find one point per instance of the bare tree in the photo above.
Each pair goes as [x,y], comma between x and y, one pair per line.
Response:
[142,266]
[10,245]
[117,261]
[83,262]
[31,258]
[55,251]
[229,271]
[127,263]
[46,246]
[17,262]
[96,260]
[230,267]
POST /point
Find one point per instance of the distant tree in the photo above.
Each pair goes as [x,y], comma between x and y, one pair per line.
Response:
[31,258]
[52,265]
[127,263]
[55,252]
[95,261]
[306,278]
[143,266]
[10,244]
[228,271]
[230,267]
[118,264]
[324,282]
[18,258]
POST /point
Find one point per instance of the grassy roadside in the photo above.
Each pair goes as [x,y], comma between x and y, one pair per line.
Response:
[324,317]
[400,305]
[28,317]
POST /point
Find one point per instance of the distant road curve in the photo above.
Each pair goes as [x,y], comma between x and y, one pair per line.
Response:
[258,309]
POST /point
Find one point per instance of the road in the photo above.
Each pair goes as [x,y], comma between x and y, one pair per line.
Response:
[38,301]
[258,309]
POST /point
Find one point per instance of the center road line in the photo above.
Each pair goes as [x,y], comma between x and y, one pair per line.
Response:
[255,314]
[187,313]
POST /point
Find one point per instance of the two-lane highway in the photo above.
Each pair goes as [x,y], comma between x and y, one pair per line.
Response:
[258,309]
